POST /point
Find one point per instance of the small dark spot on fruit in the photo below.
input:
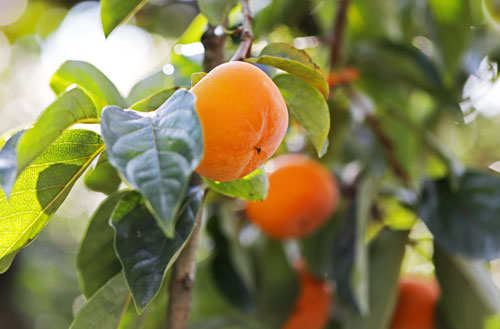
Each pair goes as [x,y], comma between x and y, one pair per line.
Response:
[258,149]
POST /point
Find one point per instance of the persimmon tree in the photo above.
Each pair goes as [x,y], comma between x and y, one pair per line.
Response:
[183,170]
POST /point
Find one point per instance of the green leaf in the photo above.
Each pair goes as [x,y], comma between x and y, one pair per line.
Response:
[106,308]
[142,247]
[386,255]
[96,261]
[156,152]
[103,177]
[308,107]
[251,187]
[277,287]
[43,186]
[468,294]
[152,84]
[6,261]
[464,220]
[216,11]
[154,101]
[224,271]
[293,61]
[350,251]
[87,77]
[72,107]
[196,77]
[116,12]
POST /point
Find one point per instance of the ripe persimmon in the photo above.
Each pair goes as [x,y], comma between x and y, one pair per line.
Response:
[302,194]
[416,304]
[243,117]
[313,306]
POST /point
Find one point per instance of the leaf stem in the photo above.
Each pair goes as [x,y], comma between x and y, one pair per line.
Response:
[246,41]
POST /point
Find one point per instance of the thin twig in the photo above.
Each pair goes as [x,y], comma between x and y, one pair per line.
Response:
[246,40]
[338,32]
[385,141]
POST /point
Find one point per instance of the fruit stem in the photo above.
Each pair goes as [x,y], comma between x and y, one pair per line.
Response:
[181,284]
[245,47]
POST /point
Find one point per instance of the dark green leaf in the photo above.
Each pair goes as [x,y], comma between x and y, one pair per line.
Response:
[386,255]
[277,286]
[106,308]
[142,247]
[153,84]
[308,107]
[103,177]
[196,77]
[216,10]
[350,251]
[251,187]
[43,186]
[154,101]
[468,294]
[156,152]
[96,260]
[464,220]
[116,12]
[293,61]
[87,77]
[225,273]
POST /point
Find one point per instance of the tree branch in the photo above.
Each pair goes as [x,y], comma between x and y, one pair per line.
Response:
[338,32]
[182,280]
[246,40]
[386,143]
[214,48]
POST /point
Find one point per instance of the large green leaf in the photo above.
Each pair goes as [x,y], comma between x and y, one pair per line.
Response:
[308,107]
[251,187]
[72,107]
[116,12]
[468,294]
[43,186]
[464,220]
[6,261]
[386,255]
[156,152]
[87,77]
[216,10]
[142,247]
[103,177]
[152,84]
[293,61]
[154,101]
[96,261]
[106,308]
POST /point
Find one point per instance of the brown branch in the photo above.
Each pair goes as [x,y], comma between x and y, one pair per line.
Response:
[246,40]
[181,284]
[214,48]
[386,143]
[338,32]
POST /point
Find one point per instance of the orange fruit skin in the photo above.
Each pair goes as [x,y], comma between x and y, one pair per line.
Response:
[415,308]
[243,117]
[301,196]
[314,304]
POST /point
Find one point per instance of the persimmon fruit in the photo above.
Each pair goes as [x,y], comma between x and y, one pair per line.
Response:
[302,194]
[416,304]
[243,117]
[314,303]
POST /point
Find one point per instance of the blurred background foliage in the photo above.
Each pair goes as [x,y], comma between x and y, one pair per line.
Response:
[416,63]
